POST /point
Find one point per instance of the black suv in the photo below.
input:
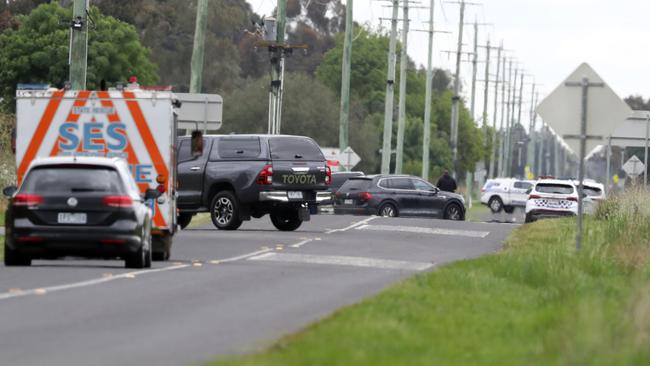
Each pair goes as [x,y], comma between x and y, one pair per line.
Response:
[236,177]
[397,195]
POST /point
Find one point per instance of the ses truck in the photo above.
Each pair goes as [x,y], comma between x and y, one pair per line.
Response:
[136,125]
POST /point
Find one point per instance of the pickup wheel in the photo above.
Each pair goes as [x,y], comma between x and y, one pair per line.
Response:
[495,204]
[286,220]
[184,219]
[224,211]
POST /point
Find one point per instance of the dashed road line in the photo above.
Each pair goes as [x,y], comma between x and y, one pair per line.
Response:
[96,281]
[362,222]
[240,257]
[343,261]
[425,230]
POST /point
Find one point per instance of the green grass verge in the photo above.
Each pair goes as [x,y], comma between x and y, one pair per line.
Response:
[200,219]
[537,302]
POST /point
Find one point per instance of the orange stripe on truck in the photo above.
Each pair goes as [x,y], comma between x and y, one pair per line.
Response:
[39,134]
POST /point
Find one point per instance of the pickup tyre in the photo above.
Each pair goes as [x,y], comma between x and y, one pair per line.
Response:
[286,220]
[224,211]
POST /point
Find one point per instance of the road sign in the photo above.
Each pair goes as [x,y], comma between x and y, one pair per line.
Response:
[348,158]
[562,110]
[634,167]
[200,111]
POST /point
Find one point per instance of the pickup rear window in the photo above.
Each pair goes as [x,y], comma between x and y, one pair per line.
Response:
[237,147]
[294,148]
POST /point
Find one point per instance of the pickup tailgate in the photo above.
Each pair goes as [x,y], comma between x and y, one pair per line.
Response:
[298,164]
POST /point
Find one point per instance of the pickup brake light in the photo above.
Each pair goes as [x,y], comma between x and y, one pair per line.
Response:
[265,177]
[328,175]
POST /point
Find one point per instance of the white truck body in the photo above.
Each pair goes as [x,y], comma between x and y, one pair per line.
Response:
[505,193]
[138,126]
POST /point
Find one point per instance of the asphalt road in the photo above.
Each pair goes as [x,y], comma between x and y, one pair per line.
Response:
[222,293]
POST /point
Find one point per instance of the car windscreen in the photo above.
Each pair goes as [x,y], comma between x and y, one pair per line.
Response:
[353,184]
[294,148]
[66,179]
[554,188]
[592,191]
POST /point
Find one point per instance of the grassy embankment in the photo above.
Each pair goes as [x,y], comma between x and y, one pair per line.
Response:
[536,302]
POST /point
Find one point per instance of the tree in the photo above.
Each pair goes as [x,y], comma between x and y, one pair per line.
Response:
[37,51]
[637,102]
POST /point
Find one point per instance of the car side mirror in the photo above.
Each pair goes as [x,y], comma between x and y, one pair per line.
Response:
[529,190]
[196,143]
[151,194]
[9,191]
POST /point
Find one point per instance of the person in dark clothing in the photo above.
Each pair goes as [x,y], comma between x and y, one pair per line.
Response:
[447,183]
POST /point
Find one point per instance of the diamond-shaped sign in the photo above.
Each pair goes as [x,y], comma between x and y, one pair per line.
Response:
[348,158]
[562,109]
[634,167]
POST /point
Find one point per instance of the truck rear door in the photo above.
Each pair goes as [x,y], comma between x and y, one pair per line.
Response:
[298,166]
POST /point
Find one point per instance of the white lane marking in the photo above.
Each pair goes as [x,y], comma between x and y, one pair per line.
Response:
[301,243]
[240,257]
[96,281]
[362,222]
[426,230]
[343,261]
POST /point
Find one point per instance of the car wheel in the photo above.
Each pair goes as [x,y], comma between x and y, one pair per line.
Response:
[161,246]
[148,256]
[529,218]
[495,204]
[224,211]
[454,212]
[509,209]
[388,210]
[184,219]
[286,220]
[15,259]
[138,259]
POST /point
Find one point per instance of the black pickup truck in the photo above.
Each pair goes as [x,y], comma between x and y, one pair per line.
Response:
[236,177]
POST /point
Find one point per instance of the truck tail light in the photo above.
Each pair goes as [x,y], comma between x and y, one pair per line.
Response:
[161,188]
[26,199]
[266,175]
[365,196]
[118,201]
[328,175]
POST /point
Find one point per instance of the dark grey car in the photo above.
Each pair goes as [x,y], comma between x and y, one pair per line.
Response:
[88,207]
[397,195]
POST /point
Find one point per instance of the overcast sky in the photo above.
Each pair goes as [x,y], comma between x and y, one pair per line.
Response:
[550,38]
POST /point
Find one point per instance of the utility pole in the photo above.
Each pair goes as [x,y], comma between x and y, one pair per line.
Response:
[474,63]
[403,64]
[277,71]
[455,101]
[502,136]
[532,135]
[196,74]
[495,133]
[344,126]
[521,97]
[390,90]
[78,57]
[426,139]
[506,141]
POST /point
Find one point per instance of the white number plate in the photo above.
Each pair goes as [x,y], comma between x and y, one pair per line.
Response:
[553,203]
[71,218]
[348,202]
[294,195]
